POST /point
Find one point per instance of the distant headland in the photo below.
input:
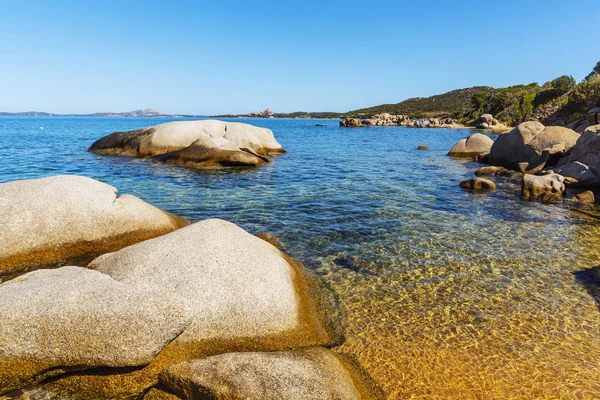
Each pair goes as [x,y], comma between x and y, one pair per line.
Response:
[149,112]
[562,101]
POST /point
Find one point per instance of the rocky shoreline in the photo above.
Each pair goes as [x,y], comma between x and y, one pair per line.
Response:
[163,314]
[486,121]
[547,160]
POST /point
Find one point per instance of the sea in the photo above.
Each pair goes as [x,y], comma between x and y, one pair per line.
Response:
[446,293]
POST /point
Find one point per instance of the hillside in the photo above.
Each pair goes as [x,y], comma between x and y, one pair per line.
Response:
[451,103]
[557,102]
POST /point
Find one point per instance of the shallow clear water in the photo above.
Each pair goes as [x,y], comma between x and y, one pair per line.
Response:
[448,294]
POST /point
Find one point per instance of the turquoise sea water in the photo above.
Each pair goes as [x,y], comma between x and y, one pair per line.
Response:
[448,294]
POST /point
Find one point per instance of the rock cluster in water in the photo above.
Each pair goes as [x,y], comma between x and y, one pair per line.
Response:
[386,119]
[211,309]
[198,144]
[546,159]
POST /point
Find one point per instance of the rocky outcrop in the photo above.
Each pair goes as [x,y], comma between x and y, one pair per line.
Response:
[533,144]
[351,123]
[386,119]
[478,185]
[472,146]
[583,163]
[68,219]
[195,144]
[268,113]
[550,187]
[74,318]
[238,285]
[593,116]
[486,121]
[308,374]
[244,295]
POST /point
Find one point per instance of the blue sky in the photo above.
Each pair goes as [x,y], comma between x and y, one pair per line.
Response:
[212,57]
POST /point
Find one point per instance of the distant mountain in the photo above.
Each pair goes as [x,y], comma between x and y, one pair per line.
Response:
[268,113]
[149,112]
[28,114]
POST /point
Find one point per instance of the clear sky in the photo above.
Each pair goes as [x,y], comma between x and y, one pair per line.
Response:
[213,57]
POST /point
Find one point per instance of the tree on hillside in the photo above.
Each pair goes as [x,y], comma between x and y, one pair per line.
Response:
[595,71]
[564,83]
[585,95]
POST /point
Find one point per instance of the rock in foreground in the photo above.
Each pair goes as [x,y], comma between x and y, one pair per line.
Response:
[472,146]
[309,374]
[68,219]
[547,188]
[531,146]
[239,287]
[74,318]
[206,143]
[242,294]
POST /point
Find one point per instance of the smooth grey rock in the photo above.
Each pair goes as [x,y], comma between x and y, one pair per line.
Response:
[532,143]
[309,374]
[474,145]
[71,219]
[583,163]
[74,318]
[240,287]
[195,143]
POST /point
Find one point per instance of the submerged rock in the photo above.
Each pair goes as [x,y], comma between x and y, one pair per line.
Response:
[68,219]
[473,146]
[586,197]
[533,144]
[195,143]
[583,163]
[489,170]
[313,373]
[478,185]
[550,187]
[72,318]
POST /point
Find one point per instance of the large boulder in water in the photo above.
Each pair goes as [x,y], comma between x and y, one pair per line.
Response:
[245,295]
[472,146]
[69,219]
[195,143]
[533,144]
[583,163]
[308,374]
[550,187]
[72,318]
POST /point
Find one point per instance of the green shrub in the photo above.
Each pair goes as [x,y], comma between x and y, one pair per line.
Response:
[585,95]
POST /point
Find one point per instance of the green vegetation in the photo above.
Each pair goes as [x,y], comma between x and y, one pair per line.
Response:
[561,100]
[453,103]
